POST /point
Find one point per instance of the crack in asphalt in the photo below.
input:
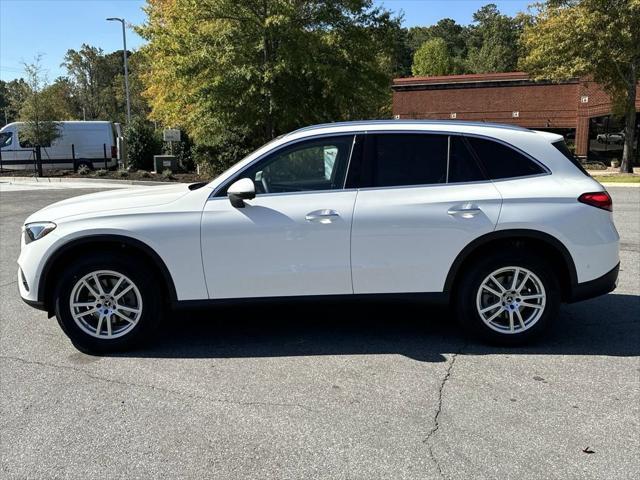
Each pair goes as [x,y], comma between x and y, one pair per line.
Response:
[7,284]
[436,417]
[160,389]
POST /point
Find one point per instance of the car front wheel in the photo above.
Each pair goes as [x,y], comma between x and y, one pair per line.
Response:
[107,303]
[508,298]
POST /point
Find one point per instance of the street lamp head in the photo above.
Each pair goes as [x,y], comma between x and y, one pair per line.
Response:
[116,19]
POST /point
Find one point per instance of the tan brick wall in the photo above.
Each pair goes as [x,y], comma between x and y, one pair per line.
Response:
[495,98]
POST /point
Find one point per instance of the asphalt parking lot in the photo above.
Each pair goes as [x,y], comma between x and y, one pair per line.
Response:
[358,391]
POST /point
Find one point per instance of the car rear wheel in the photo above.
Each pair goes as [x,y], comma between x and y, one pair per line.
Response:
[107,303]
[508,298]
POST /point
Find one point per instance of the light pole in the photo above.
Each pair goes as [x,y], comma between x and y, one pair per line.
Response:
[126,67]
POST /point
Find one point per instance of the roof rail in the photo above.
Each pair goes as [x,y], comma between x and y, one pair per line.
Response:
[364,123]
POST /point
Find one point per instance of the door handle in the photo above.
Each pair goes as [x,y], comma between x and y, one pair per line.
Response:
[322,216]
[467,210]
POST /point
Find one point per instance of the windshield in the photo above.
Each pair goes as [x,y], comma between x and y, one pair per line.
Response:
[5,139]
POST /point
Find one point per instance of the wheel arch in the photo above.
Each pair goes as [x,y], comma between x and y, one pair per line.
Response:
[96,244]
[563,263]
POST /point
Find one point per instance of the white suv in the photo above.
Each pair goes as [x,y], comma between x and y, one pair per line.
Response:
[500,221]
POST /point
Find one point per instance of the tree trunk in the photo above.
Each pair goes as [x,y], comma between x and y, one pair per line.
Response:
[626,166]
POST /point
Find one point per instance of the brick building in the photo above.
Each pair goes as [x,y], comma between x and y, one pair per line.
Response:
[574,107]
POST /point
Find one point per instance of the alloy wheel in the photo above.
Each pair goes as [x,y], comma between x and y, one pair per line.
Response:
[105,304]
[511,300]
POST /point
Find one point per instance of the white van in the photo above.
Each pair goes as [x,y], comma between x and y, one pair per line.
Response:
[94,144]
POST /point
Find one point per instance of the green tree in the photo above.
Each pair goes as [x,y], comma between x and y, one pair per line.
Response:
[13,96]
[432,58]
[236,74]
[454,35]
[142,143]
[60,95]
[38,113]
[492,41]
[596,38]
[89,73]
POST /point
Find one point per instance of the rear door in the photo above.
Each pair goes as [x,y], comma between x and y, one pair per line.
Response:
[423,198]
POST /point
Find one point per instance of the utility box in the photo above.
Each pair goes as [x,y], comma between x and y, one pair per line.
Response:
[164,162]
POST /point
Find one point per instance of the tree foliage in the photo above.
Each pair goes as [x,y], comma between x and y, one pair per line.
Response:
[235,74]
[493,41]
[142,143]
[597,38]
[97,81]
[432,58]
[37,112]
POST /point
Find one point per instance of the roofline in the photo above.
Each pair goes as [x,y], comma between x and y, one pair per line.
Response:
[366,123]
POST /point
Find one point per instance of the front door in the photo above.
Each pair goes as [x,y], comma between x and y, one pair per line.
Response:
[294,237]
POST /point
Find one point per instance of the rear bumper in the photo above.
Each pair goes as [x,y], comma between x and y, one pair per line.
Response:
[594,288]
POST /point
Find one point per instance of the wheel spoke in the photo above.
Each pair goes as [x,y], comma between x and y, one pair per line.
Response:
[499,285]
[491,307]
[99,326]
[90,288]
[83,304]
[124,317]
[115,287]
[490,319]
[511,326]
[109,331]
[532,297]
[515,279]
[519,315]
[128,309]
[524,281]
[531,305]
[123,292]
[87,312]
[98,284]
[489,289]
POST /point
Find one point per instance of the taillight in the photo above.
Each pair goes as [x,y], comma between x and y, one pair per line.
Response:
[597,199]
[114,151]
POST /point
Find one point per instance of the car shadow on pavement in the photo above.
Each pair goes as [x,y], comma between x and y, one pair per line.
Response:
[608,325]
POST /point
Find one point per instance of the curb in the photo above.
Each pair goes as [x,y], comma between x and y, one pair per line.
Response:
[620,184]
[82,180]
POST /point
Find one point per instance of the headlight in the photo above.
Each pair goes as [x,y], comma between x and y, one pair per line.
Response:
[37,230]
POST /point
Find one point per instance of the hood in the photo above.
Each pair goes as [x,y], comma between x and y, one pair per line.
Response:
[110,201]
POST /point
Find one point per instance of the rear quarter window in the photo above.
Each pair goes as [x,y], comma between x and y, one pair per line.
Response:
[564,150]
[502,161]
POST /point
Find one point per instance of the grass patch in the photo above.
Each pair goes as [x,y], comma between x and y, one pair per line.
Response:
[617,178]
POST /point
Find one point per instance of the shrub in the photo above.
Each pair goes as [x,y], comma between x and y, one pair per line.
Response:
[84,170]
[142,144]
[101,173]
[167,174]
[594,166]
[144,174]
[122,173]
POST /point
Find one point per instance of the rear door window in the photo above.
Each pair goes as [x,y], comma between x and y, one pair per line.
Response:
[463,167]
[405,159]
[502,161]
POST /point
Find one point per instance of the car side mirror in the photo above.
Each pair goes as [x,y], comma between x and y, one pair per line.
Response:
[238,192]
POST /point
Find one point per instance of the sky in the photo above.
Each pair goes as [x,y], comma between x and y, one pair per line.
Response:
[51,27]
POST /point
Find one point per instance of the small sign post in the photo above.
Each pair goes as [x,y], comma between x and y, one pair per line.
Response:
[171,135]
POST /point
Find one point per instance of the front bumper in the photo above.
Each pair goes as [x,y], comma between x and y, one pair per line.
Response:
[594,288]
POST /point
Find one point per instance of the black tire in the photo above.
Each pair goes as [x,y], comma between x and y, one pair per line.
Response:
[474,275]
[133,269]
[80,163]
